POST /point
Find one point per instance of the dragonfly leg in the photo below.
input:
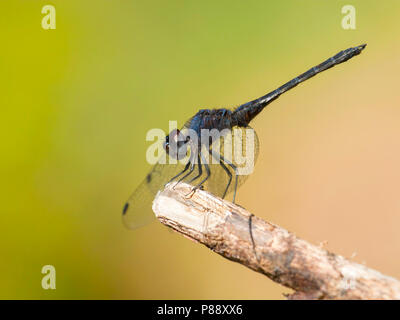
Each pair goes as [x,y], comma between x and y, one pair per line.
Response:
[180,173]
[200,170]
[230,178]
[187,174]
[183,171]
[236,175]
[206,178]
[226,170]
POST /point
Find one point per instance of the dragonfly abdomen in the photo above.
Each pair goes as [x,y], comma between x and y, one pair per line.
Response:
[246,112]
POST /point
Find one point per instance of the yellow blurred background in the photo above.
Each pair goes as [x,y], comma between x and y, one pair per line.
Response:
[77,102]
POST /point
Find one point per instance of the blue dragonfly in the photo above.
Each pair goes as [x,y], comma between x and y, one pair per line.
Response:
[222,175]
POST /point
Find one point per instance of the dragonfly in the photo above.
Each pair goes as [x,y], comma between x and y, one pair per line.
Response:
[207,163]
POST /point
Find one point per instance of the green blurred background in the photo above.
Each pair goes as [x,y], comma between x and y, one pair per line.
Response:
[77,102]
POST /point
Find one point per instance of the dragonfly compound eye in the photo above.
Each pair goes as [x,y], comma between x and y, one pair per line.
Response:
[176,145]
[166,144]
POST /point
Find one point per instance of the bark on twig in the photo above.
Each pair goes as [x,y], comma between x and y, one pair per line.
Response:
[234,233]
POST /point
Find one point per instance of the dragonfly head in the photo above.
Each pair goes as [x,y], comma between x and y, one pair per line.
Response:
[176,144]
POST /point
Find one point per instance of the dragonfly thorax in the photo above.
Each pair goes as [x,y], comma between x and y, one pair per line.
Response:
[219,119]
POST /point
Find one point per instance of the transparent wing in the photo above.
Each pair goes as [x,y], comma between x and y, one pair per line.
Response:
[137,210]
[241,153]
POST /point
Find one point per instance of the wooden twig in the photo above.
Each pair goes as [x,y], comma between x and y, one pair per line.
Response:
[234,233]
